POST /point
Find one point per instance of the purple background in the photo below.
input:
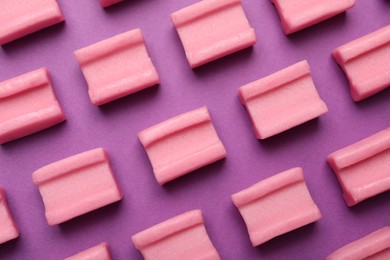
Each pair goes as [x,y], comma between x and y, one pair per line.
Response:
[115,126]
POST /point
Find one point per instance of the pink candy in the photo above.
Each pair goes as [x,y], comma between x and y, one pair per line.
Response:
[375,246]
[182,144]
[282,100]
[363,168]
[208,30]
[27,105]
[117,67]
[99,252]
[77,185]
[181,237]
[211,29]
[297,15]
[8,229]
[22,17]
[276,206]
[366,62]
[106,3]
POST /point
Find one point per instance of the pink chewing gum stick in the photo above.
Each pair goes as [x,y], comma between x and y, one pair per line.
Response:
[106,3]
[363,168]
[374,246]
[117,67]
[182,144]
[366,63]
[19,18]
[282,100]
[211,29]
[8,229]
[77,185]
[181,237]
[296,15]
[27,105]
[99,252]
[276,206]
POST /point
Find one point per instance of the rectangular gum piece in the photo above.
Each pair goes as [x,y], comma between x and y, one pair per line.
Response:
[181,237]
[366,63]
[100,252]
[19,18]
[282,100]
[182,144]
[106,3]
[276,206]
[27,105]
[117,67]
[363,168]
[296,15]
[77,185]
[8,229]
[211,29]
[373,246]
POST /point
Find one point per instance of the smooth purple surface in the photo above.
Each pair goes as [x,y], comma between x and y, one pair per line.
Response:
[115,126]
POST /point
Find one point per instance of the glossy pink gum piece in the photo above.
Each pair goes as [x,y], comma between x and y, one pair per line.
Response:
[19,18]
[77,185]
[106,3]
[363,168]
[211,29]
[182,144]
[27,105]
[296,15]
[181,237]
[366,63]
[117,67]
[276,206]
[282,100]
[99,252]
[8,229]
[375,246]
